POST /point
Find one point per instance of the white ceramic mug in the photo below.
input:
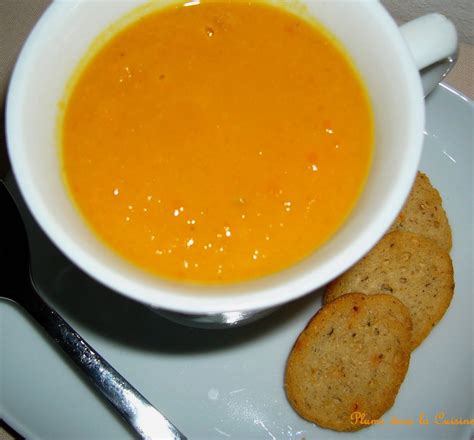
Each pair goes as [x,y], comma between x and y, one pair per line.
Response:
[390,69]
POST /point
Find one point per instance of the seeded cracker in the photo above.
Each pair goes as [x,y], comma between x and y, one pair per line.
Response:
[410,267]
[352,357]
[423,214]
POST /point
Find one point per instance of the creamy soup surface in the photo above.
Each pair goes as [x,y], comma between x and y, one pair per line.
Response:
[217,142]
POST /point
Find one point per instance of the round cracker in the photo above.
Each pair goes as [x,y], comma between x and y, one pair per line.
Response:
[412,268]
[351,359]
[423,214]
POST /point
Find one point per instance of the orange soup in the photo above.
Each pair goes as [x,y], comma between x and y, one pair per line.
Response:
[217,142]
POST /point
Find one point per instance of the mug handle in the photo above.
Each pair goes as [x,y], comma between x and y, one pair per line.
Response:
[433,43]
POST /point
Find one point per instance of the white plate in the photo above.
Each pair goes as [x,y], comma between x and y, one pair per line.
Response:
[229,383]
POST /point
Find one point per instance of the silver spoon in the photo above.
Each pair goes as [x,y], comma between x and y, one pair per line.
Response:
[18,286]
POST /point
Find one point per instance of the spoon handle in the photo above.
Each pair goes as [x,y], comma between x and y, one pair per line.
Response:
[147,421]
